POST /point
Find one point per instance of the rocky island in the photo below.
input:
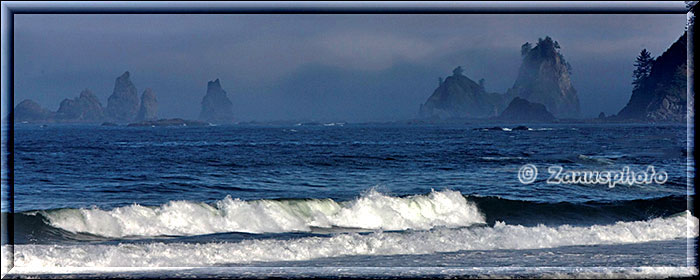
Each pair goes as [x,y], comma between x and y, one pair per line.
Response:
[122,106]
[85,107]
[521,110]
[149,106]
[543,79]
[216,107]
[460,97]
[28,110]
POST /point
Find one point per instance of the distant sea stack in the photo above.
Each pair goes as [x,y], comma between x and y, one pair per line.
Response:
[460,97]
[520,110]
[149,106]
[544,77]
[85,107]
[123,104]
[28,110]
[216,106]
[662,95]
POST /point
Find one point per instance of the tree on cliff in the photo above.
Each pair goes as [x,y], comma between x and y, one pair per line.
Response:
[643,67]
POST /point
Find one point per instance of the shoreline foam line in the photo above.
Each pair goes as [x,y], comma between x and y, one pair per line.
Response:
[500,236]
[394,272]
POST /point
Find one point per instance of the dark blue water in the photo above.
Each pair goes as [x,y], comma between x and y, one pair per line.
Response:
[69,166]
[219,190]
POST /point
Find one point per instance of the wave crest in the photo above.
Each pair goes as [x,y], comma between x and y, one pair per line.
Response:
[373,211]
[500,236]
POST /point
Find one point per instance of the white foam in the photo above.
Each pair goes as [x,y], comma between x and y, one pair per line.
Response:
[370,211]
[596,159]
[557,272]
[500,236]
[7,262]
[334,124]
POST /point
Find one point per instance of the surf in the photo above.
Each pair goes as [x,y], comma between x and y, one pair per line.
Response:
[371,211]
[498,237]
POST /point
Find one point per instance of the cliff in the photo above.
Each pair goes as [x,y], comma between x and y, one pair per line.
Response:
[662,95]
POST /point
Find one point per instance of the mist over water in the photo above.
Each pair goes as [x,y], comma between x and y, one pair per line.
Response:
[327,68]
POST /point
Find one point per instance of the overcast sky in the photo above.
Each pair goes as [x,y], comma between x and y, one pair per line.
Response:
[322,67]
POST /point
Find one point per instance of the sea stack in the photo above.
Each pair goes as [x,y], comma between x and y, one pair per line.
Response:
[28,110]
[149,106]
[544,77]
[216,107]
[123,104]
[85,107]
[460,97]
[520,110]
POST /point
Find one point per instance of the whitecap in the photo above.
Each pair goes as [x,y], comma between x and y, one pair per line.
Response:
[373,210]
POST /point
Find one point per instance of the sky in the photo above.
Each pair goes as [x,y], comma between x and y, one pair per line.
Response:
[322,67]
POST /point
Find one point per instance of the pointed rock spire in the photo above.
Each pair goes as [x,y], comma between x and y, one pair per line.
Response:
[149,106]
[123,104]
[215,105]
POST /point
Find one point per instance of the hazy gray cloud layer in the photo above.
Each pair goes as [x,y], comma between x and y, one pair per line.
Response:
[324,67]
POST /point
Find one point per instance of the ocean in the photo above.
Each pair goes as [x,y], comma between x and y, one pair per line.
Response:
[348,200]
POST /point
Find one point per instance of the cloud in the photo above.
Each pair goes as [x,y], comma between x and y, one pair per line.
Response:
[370,51]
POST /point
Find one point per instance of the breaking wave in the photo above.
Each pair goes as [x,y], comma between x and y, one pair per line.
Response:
[373,211]
[499,236]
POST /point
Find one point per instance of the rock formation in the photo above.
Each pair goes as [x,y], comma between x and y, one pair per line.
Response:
[661,96]
[85,107]
[149,106]
[523,111]
[28,110]
[215,105]
[544,77]
[123,104]
[460,97]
